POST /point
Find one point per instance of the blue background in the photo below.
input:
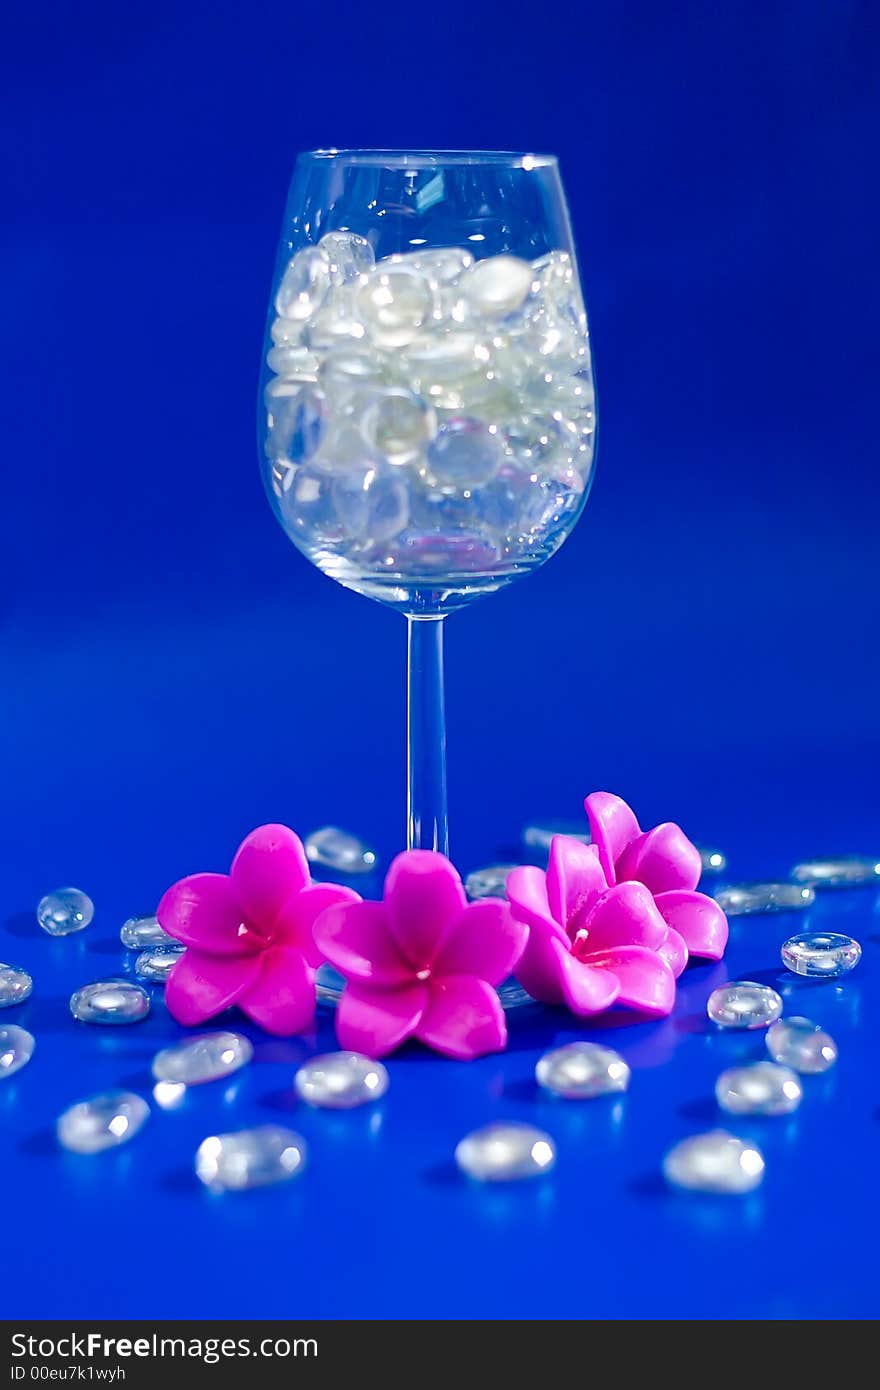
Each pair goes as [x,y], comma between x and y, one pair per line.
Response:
[176,673]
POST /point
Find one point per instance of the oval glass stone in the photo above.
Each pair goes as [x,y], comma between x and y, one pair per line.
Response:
[714,1162]
[490,882]
[506,1153]
[64,911]
[206,1057]
[394,303]
[538,837]
[802,1045]
[853,872]
[110,1001]
[821,955]
[496,287]
[103,1122]
[344,853]
[466,453]
[713,861]
[744,1004]
[742,899]
[250,1158]
[398,424]
[15,985]
[341,1080]
[348,255]
[154,966]
[582,1070]
[304,284]
[16,1049]
[763,1088]
[139,933]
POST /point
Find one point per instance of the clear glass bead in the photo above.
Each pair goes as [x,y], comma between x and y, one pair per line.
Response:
[713,861]
[821,955]
[110,1001]
[465,454]
[442,264]
[288,332]
[372,505]
[340,851]
[141,933]
[742,899]
[505,1153]
[744,1004]
[802,1045]
[304,285]
[251,1158]
[16,1049]
[763,1088]
[394,303]
[154,966]
[398,424]
[715,1162]
[341,1080]
[15,985]
[852,872]
[538,837]
[64,911]
[581,1071]
[103,1122]
[349,256]
[205,1057]
[496,287]
[490,882]
[294,363]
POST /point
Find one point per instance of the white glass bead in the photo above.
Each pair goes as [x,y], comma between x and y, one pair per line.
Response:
[294,363]
[16,1049]
[348,255]
[394,303]
[853,872]
[762,1088]
[140,933]
[715,1162]
[341,1080]
[581,1071]
[505,1153]
[713,861]
[802,1045]
[490,882]
[372,505]
[250,1158]
[821,955]
[496,287]
[744,1004]
[154,966]
[398,425]
[15,985]
[286,332]
[332,848]
[103,1122]
[351,367]
[304,284]
[742,899]
[205,1057]
[442,264]
[465,454]
[110,1001]
[64,911]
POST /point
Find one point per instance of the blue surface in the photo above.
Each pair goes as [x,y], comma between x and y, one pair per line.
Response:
[705,644]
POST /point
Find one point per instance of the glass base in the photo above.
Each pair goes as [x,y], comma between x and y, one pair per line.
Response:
[330,985]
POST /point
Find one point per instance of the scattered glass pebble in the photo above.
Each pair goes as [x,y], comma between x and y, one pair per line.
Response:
[250,1158]
[852,872]
[489,882]
[714,1162]
[332,848]
[538,836]
[15,985]
[505,1153]
[742,899]
[341,1080]
[153,967]
[110,1001]
[140,933]
[821,954]
[64,911]
[713,861]
[206,1057]
[762,1088]
[16,1049]
[802,1045]
[582,1070]
[744,1004]
[512,995]
[103,1122]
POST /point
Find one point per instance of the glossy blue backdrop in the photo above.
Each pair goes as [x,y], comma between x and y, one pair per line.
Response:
[175,673]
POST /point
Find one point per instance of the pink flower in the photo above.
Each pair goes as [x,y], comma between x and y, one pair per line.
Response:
[423,963]
[248,935]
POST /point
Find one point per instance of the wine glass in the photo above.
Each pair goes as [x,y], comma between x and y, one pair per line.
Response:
[427,414]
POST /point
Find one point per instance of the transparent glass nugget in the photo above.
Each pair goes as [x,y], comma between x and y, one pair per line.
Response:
[251,1158]
[16,1049]
[332,848]
[64,911]
[140,933]
[489,882]
[110,1001]
[103,1122]
[763,1088]
[341,1080]
[742,899]
[802,1045]
[153,967]
[538,836]
[15,985]
[206,1057]
[744,1004]
[852,872]
[821,955]
[505,1153]
[714,1162]
[582,1070]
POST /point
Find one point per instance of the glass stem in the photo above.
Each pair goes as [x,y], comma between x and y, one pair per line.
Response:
[427,821]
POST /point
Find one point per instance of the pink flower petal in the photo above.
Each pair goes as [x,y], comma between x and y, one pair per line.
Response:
[574,880]
[424,898]
[281,998]
[376,1021]
[624,915]
[612,826]
[201,986]
[550,973]
[356,938]
[486,941]
[202,911]
[698,919]
[646,980]
[268,869]
[674,952]
[662,859]
[295,926]
[463,1018]
[527,895]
